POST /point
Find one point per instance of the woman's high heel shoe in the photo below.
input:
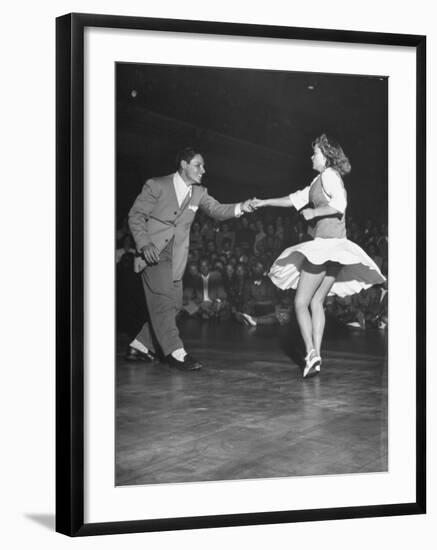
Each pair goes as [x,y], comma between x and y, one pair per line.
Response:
[312,364]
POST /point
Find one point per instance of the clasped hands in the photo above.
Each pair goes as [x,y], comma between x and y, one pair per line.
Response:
[251,205]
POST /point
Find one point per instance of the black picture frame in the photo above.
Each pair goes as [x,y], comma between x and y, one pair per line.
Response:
[70,312]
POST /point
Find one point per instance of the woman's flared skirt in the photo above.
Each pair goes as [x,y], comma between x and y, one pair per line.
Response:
[358,270]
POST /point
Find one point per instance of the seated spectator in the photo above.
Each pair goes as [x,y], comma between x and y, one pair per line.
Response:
[285,309]
[213,258]
[244,236]
[210,247]
[370,302]
[269,257]
[259,235]
[226,248]
[193,257]
[223,233]
[252,260]
[233,260]
[244,259]
[228,277]
[219,266]
[279,228]
[207,231]
[299,233]
[127,245]
[191,276]
[196,238]
[189,282]
[346,311]
[237,286]
[223,258]
[252,225]
[260,303]
[270,242]
[239,251]
[330,307]
[209,293]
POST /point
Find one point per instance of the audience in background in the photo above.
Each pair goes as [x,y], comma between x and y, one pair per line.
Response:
[127,246]
[226,275]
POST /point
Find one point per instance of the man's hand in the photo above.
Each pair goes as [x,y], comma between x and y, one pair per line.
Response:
[150,253]
[308,213]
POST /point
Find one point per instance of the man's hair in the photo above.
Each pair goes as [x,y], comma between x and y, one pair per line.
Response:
[186,154]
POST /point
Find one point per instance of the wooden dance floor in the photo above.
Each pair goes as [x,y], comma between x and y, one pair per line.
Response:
[248,414]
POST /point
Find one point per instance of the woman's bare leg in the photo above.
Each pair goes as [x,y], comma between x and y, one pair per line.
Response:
[309,282]
[318,312]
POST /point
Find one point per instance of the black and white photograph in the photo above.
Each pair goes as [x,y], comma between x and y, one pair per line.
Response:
[252,274]
[218,278]
[216,286]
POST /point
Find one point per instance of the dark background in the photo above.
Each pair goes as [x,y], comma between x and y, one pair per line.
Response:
[254,127]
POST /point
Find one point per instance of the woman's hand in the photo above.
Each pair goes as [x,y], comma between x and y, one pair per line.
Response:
[308,213]
[257,203]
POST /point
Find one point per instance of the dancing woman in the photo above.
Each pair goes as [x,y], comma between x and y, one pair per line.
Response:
[329,263]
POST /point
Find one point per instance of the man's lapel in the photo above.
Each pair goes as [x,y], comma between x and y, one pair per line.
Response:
[172,191]
[186,201]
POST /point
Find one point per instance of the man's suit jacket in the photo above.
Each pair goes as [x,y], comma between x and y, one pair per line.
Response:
[156,217]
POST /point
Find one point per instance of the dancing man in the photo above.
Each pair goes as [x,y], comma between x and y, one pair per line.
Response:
[160,221]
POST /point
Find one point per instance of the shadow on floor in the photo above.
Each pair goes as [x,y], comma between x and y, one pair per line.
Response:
[292,344]
[46,520]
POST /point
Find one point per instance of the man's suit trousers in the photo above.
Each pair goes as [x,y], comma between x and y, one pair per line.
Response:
[164,301]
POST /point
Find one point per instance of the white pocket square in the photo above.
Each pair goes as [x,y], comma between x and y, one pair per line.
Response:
[193,207]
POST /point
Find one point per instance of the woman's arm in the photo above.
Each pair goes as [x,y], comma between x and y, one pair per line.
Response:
[325,211]
[282,202]
[297,200]
[310,213]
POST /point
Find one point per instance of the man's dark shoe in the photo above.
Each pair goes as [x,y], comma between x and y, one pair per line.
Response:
[133,354]
[189,363]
